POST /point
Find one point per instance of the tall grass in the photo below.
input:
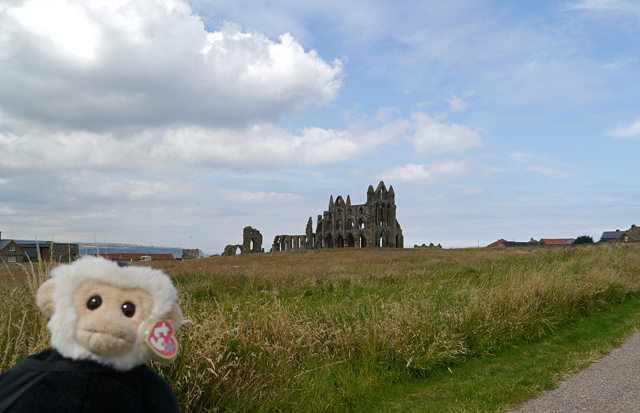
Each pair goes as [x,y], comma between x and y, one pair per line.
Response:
[23,329]
[313,331]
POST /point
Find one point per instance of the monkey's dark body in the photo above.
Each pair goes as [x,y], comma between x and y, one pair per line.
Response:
[65,385]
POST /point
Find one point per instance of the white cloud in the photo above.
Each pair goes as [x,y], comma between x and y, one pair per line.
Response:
[471,190]
[548,171]
[630,131]
[521,157]
[245,197]
[99,66]
[457,104]
[355,21]
[538,164]
[76,189]
[432,137]
[607,200]
[259,146]
[606,5]
[64,25]
[119,190]
[179,151]
[595,4]
[432,173]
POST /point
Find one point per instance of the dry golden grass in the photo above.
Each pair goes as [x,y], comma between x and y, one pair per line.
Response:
[310,331]
[23,328]
[12,274]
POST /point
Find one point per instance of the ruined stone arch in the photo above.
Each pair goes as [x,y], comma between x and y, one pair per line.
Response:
[351,242]
[328,241]
[251,240]
[339,241]
[363,241]
[350,224]
[251,243]
[362,224]
[382,239]
[231,250]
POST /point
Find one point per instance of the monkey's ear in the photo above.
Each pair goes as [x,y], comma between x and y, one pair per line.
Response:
[175,316]
[44,298]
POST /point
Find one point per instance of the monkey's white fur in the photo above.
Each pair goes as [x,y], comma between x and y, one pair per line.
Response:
[69,277]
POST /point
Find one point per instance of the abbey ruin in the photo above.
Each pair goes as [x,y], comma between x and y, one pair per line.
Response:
[251,243]
[369,225]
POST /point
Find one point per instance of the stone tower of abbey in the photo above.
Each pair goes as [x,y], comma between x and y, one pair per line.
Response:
[369,225]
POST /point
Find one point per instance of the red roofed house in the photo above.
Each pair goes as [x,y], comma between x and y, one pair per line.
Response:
[548,242]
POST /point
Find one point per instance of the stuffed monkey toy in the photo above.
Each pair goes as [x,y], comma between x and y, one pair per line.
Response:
[106,322]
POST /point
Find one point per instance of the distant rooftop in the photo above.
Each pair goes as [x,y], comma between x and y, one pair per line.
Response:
[548,241]
[612,234]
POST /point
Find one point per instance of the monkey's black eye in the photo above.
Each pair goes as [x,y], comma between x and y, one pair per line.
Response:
[128,309]
[94,302]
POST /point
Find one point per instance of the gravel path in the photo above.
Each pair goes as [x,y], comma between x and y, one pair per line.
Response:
[612,384]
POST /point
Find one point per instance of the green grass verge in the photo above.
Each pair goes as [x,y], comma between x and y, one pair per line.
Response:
[501,382]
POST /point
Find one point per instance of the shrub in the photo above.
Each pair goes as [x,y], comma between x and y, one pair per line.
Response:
[584,239]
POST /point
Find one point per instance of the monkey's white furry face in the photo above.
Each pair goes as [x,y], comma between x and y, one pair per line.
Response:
[64,322]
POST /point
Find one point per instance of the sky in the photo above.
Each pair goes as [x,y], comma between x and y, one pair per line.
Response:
[178,123]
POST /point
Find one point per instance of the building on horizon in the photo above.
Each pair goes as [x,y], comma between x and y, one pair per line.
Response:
[369,225]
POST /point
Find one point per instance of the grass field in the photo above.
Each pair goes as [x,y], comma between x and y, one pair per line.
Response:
[322,330]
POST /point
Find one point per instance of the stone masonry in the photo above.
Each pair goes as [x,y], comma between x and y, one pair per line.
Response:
[189,254]
[369,225]
[251,243]
[64,252]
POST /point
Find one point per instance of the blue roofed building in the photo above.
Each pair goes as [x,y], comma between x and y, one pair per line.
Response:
[622,237]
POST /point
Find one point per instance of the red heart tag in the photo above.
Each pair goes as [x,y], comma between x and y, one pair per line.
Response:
[161,341]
